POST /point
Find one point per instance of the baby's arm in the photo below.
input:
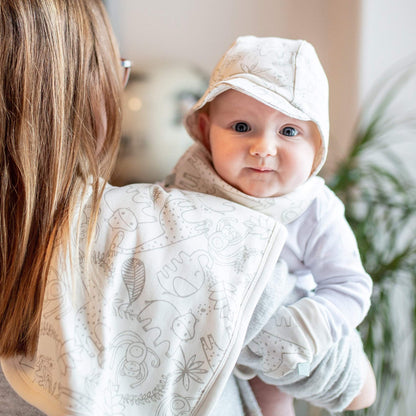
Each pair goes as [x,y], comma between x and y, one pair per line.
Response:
[341,378]
[325,245]
[272,401]
[330,253]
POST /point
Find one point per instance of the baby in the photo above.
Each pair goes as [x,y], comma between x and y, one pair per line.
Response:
[261,132]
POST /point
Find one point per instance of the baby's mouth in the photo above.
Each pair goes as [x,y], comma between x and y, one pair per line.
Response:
[262,169]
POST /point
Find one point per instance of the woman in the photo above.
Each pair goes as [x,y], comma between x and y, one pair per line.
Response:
[112,300]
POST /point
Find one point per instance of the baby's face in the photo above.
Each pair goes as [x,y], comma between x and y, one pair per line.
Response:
[258,150]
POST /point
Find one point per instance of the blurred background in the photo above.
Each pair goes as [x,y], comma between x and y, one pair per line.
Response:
[368,49]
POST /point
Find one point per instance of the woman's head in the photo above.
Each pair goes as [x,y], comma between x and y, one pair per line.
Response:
[60,84]
[59,68]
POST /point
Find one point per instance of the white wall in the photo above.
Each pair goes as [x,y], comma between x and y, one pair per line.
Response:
[388,42]
[198,31]
[388,35]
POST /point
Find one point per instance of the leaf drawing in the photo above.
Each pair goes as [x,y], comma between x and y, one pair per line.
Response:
[133,274]
[223,294]
[188,370]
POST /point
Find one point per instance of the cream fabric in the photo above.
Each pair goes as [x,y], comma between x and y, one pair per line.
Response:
[156,324]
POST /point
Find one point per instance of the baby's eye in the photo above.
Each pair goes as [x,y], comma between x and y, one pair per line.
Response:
[241,127]
[289,131]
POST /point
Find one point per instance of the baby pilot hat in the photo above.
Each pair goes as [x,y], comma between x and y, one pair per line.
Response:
[284,74]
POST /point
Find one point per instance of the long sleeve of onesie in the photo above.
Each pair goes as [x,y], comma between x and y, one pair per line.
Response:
[322,244]
[329,251]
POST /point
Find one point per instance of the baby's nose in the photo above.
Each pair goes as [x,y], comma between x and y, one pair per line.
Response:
[263,146]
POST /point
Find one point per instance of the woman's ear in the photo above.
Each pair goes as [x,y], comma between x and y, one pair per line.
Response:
[204,127]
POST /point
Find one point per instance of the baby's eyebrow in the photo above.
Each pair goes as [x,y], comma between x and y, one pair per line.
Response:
[239,110]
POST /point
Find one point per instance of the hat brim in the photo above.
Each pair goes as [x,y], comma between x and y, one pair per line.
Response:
[247,87]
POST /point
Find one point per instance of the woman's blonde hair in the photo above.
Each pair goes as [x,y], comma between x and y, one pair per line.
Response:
[59,80]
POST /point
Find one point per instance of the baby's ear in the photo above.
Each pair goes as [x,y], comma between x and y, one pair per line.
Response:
[204,127]
[318,148]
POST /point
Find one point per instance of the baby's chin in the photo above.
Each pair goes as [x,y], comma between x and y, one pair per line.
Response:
[260,192]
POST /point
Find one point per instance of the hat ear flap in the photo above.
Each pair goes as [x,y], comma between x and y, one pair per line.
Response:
[204,125]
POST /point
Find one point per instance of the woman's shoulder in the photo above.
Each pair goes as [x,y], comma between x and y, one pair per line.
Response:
[150,212]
